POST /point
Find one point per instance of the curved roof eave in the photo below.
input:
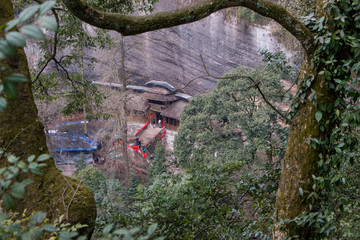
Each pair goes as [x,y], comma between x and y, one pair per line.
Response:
[161,84]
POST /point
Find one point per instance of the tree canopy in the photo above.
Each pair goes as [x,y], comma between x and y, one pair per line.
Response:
[233,121]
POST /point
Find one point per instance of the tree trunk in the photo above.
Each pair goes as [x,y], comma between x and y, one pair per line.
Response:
[301,160]
[22,134]
[123,120]
[85,92]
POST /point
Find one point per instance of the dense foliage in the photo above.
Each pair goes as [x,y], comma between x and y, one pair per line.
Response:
[233,121]
[14,39]
[333,208]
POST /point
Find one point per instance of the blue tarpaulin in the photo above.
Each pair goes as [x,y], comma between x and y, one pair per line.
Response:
[72,141]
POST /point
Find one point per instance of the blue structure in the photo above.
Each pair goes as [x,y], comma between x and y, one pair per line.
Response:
[68,147]
[72,142]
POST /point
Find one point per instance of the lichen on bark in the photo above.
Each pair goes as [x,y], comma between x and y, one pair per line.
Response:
[21,134]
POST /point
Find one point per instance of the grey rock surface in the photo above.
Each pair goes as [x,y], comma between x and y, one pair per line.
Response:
[173,55]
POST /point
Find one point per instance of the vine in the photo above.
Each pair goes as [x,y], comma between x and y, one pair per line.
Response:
[337,62]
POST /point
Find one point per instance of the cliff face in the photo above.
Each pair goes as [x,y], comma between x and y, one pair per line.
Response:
[173,55]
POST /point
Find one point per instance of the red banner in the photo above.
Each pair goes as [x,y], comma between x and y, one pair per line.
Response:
[134,147]
[147,123]
[162,134]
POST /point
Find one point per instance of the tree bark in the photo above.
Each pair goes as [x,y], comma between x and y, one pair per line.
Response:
[22,134]
[301,160]
[123,110]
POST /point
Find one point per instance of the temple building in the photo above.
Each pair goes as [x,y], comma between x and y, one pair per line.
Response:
[165,102]
[154,101]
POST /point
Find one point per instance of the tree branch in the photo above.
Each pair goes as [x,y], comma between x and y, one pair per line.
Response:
[288,120]
[255,84]
[132,25]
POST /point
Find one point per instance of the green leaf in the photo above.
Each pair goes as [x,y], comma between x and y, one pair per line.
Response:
[3,217]
[301,191]
[3,104]
[43,157]
[122,232]
[10,89]
[26,236]
[12,23]
[16,77]
[34,167]
[134,230]
[49,228]
[12,159]
[107,229]
[152,228]
[48,23]
[6,48]
[22,165]
[46,6]
[337,112]
[38,217]
[28,13]
[17,190]
[33,31]
[31,158]
[318,116]
[16,39]
[35,233]
[8,201]
[355,67]
[27,182]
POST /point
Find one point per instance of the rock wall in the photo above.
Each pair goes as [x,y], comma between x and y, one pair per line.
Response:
[173,55]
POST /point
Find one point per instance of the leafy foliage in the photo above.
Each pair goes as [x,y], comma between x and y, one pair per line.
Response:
[80,163]
[232,121]
[15,39]
[157,167]
[9,186]
[93,178]
[133,185]
[28,226]
[84,95]
[208,201]
[125,6]
[35,225]
[337,62]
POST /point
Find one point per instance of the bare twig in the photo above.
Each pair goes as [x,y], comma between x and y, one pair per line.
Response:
[288,120]
[53,55]
[255,84]
[192,80]
[63,196]
[72,198]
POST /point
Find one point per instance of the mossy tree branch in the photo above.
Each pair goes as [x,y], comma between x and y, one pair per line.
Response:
[132,25]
